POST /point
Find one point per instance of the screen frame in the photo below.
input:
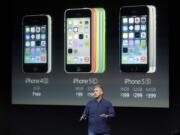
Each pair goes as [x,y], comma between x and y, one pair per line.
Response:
[133,11]
[77,13]
[35,20]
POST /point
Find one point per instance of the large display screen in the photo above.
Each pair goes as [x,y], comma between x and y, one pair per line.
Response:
[123,89]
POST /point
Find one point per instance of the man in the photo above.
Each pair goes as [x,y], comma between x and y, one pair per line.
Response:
[98,112]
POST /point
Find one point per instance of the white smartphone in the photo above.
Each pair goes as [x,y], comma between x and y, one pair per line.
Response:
[78,41]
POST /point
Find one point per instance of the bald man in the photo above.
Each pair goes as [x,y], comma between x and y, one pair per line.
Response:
[98,111]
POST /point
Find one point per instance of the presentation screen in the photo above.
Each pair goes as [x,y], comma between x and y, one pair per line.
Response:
[60,53]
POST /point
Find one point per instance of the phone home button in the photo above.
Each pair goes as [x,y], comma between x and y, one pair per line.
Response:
[136,69]
[132,69]
[78,69]
[35,69]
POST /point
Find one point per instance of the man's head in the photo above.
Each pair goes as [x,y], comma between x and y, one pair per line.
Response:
[98,91]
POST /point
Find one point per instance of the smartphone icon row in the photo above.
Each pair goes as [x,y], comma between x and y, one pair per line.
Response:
[85,40]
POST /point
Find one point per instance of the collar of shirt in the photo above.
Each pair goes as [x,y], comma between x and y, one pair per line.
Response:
[95,100]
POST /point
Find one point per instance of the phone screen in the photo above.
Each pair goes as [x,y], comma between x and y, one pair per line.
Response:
[78,40]
[134,39]
[35,44]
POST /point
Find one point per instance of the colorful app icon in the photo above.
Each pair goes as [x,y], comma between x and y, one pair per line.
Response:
[137,27]
[32,36]
[125,35]
[43,36]
[125,28]
[33,43]
[131,27]
[43,43]
[76,22]
[143,19]
[137,20]
[131,20]
[27,43]
[143,42]
[43,29]
[81,36]
[27,37]
[70,29]
[86,59]
[43,58]
[75,36]
[27,51]
[143,34]
[125,42]
[137,42]
[27,59]
[38,29]
[70,22]
[143,27]
[32,50]
[75,29]
[37,36]
[27,29]
[125,50]
[125,20]
[131,42]
[125,59]
[70,50]
[131,35]
[32,29]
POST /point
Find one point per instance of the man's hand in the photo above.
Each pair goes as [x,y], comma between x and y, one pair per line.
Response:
[82,118]
[104,115]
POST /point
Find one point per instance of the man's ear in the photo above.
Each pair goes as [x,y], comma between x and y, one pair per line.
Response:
[102,92]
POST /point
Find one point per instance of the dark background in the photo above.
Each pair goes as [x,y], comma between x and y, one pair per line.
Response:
[63,120]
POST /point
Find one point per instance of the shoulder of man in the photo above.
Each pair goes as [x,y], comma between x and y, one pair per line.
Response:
[89,102]
[107,101]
